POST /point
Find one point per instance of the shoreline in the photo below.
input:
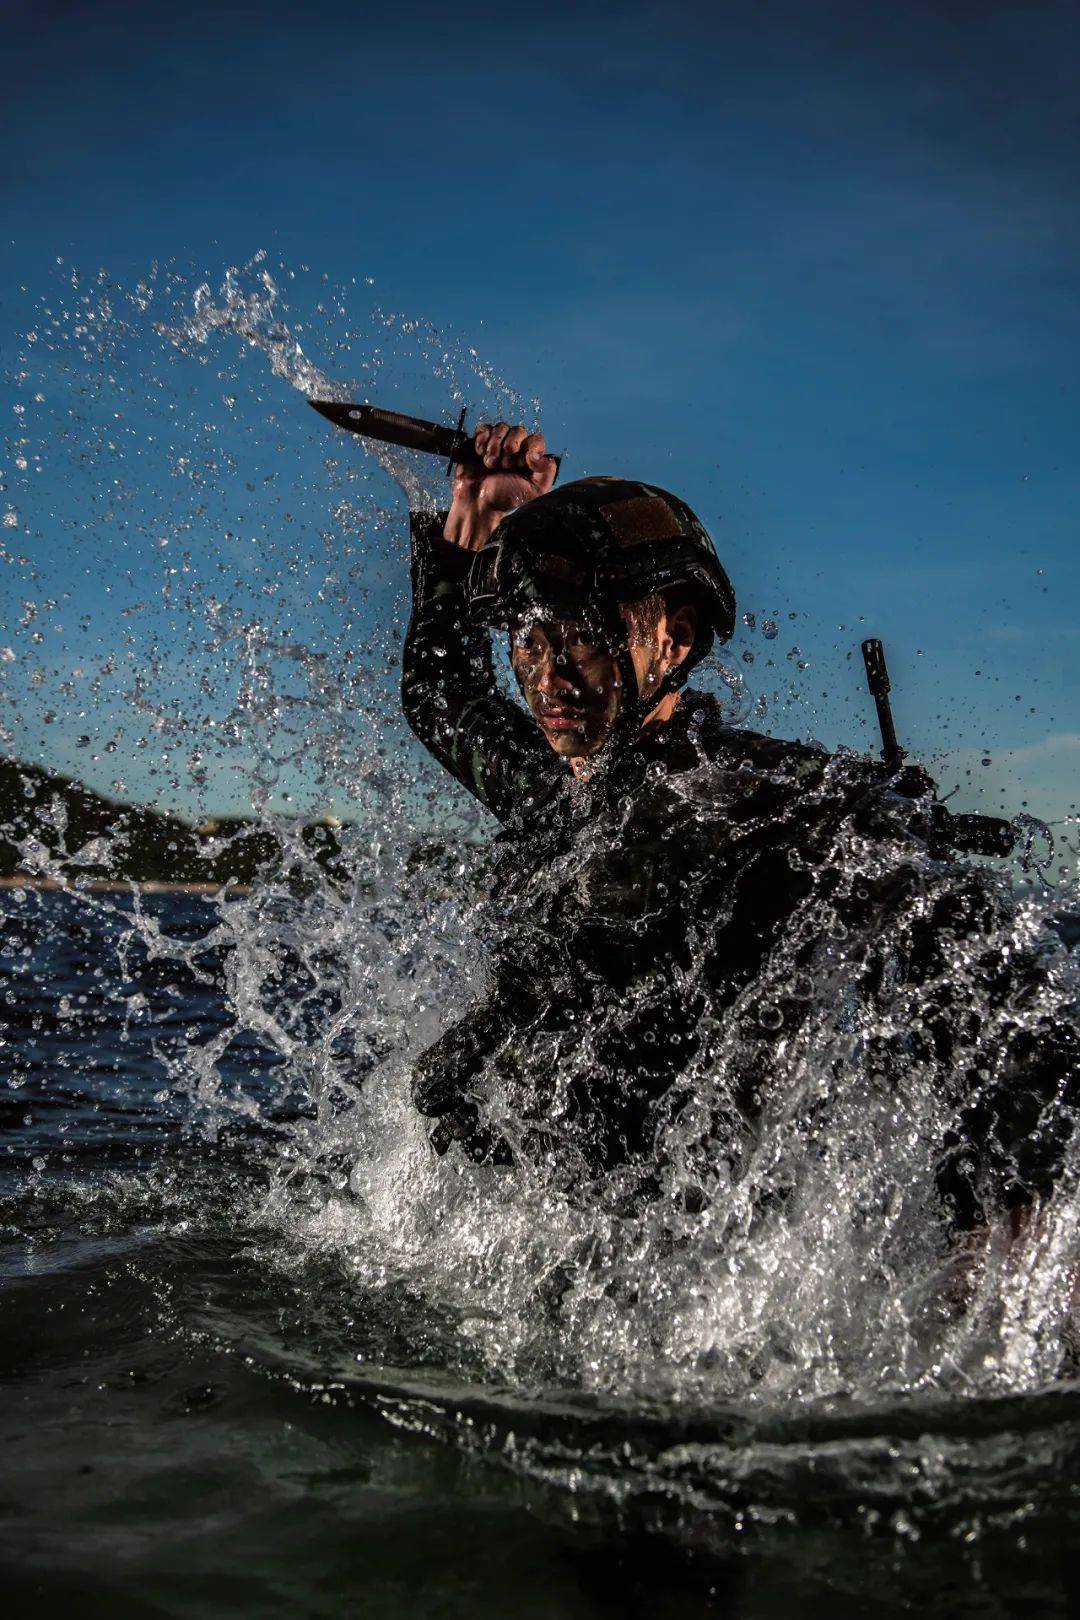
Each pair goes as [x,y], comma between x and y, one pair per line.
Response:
[29,880]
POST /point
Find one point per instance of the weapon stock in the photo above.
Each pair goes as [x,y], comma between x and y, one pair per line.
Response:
[972,834]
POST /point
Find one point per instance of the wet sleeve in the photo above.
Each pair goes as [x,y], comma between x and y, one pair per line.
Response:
[449,692]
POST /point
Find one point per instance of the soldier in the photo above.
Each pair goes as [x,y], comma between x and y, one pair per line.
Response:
[652,857]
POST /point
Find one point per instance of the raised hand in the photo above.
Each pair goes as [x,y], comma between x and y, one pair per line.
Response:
[515,468]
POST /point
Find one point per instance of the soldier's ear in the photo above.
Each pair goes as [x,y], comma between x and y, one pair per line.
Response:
[681,629]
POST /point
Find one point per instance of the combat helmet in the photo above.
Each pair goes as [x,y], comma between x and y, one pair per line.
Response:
[581,550]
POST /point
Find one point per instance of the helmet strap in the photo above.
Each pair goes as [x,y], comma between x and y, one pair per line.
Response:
[636,705]
[632,707]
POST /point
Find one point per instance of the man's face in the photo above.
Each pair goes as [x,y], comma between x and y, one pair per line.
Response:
[571,681]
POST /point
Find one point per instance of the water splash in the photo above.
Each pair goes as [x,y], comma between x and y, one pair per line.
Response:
[249,306]
[250,313]
[821,1264]
[817,1266]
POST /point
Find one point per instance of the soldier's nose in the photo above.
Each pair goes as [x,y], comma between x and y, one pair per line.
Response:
[556,676]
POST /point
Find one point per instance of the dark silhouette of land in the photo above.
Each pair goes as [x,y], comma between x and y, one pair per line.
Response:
[54,828]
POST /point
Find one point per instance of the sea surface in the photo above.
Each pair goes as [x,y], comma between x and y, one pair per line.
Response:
[232,1383]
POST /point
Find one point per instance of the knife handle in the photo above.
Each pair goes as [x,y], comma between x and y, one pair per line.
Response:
[463,450]
[466,456]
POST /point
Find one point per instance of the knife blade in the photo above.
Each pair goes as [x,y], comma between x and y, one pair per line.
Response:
[391,427]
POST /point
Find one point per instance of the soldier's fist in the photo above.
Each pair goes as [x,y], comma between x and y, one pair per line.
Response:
[515,467]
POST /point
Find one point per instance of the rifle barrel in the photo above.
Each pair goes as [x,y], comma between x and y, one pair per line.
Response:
[877,679]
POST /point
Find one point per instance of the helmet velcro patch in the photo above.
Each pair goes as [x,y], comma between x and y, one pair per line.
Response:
[559,568]
[640,519]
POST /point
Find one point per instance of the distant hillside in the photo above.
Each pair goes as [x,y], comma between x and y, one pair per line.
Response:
[46,818]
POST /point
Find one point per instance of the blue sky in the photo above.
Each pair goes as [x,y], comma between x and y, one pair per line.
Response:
[814,266]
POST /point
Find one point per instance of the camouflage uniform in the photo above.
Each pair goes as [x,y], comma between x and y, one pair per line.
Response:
[638,905]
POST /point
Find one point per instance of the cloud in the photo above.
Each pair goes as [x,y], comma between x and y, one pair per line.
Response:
[1041,777]
[1061,747]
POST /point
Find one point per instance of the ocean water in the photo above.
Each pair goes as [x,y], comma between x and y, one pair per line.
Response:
[263,1353]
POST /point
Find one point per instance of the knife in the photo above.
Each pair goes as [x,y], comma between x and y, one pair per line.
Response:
[412,432]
